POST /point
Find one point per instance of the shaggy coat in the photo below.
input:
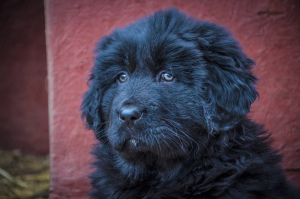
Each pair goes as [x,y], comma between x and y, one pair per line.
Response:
[167,99]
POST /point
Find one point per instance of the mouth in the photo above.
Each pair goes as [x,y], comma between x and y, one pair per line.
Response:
[133,142]
[132,145]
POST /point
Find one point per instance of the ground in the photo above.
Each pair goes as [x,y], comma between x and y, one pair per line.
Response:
[23,176]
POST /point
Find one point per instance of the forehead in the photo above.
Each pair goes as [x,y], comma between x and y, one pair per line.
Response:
[149,50]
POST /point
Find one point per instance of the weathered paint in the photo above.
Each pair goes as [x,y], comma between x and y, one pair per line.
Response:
[268,31]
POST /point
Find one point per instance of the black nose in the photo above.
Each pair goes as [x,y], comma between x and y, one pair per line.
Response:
[129,115]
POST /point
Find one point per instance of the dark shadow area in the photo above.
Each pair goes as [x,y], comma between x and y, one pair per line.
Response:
[24,137]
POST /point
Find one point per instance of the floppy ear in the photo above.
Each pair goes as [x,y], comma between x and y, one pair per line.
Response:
[91,105]
[229,88]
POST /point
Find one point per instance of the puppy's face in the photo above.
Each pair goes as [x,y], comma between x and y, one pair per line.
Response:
[162,85]
[153,105]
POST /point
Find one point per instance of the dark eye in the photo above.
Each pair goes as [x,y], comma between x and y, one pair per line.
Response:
[167,77]
[122,78]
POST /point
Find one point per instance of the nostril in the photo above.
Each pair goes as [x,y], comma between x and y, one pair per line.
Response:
[134,118]
[129,115]
[122,117]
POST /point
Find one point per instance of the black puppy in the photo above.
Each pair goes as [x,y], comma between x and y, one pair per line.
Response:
[168,100]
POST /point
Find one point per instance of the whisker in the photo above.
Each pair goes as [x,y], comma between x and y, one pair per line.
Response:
[173,137]
[157,142]
[185,134]
[168,145]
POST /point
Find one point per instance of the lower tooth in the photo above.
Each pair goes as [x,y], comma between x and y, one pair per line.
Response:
[133,142]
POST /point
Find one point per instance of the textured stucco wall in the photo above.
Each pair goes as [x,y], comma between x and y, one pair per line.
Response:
[23,72]
[268,31]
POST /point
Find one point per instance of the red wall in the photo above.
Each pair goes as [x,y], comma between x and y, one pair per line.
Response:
[23,71]
[268,30]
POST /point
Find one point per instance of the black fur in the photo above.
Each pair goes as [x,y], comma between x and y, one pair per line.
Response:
[191,138]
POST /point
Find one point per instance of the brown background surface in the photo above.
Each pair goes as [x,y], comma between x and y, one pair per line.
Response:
[23,77]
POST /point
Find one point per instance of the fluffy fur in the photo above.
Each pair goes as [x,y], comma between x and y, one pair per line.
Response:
[191,87]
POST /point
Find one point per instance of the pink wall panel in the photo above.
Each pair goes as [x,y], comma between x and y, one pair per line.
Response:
[268,31]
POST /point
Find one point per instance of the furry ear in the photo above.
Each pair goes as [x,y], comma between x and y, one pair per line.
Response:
[91,110]
[229,88]
[91,105]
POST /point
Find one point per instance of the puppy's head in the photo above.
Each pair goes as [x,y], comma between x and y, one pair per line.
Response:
[161,85]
